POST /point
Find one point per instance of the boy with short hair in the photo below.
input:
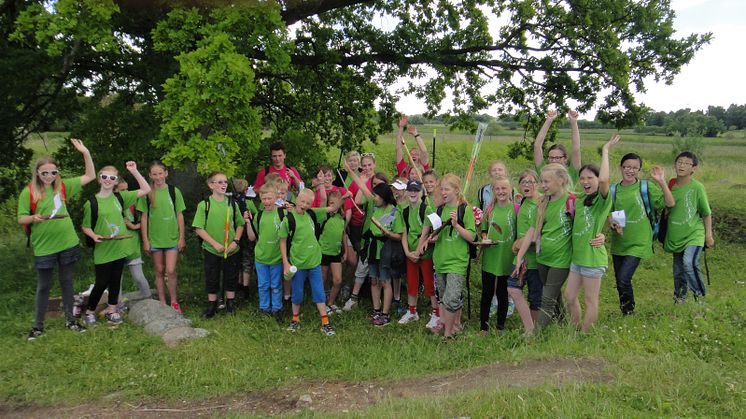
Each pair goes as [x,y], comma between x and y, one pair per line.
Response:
[264,230]
[218,222]
[689,228]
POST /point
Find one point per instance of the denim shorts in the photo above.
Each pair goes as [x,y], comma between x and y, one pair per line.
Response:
[376,271]
[62,258]
[588,271]
[162,249]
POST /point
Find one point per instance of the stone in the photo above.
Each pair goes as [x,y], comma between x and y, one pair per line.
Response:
[159,327]
[174,336]
[145,311]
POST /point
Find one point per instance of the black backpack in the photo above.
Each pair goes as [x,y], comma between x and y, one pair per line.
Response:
[171,194]
[280,213]
[94,215]
[405,214]
[460,220]
[291,228]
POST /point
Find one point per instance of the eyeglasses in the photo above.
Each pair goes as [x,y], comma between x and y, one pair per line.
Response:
[368,155]
[527,183]
[684,164]
[109,177]
[630,168]
[219,182]
[49,173]
[556,158]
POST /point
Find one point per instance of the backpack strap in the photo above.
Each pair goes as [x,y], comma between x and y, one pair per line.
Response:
[612,190]
[405,214]
[570,205]
[480,196]
[93,203]
[291,231]
[645,193]
[266,170]
[316,227]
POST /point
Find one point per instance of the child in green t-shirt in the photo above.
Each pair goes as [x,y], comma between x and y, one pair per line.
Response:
[134,259]
[110,236]
[219,223]
[332,240]
[43,212]
[689,228]
[300,250]
[498,232]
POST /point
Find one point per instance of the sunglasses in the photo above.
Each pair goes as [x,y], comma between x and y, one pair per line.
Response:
[49,173]
[219,182]
[109,177]
[368,155]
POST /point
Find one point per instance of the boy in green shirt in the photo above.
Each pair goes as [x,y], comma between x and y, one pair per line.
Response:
[689,228]
[219,223]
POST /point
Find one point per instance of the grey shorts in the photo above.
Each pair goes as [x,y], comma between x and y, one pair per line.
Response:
[135,261]
[588,271]
[61,258]
[449,289]
[382,274]
[361,271]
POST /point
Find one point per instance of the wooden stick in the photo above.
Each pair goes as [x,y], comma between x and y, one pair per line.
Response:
[353,198]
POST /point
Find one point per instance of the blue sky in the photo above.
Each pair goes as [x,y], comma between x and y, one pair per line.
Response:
[716,75]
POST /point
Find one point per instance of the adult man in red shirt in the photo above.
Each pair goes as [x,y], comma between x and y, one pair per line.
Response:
[289,173]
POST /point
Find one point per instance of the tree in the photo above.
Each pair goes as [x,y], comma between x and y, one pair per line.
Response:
[328,79]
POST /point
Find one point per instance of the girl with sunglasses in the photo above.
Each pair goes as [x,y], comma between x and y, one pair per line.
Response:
[42,211]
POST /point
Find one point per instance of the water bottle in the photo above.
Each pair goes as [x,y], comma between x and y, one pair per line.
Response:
[291,273]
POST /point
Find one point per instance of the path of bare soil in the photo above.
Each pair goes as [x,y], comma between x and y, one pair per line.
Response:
[340,396]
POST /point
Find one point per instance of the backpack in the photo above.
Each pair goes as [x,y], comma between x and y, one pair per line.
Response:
[460,220]
[207,212]
[171,194]
[570,205]
[291,228]
[32,206]
[646,201]
[280,213]
[94,215]
[663,222]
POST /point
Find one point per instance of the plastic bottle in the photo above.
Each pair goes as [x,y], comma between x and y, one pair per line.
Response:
[291,273]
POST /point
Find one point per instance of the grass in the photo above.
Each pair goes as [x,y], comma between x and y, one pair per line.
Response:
[667,360]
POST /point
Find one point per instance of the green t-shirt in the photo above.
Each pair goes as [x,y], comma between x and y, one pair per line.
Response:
[589,221]
[54,235]
[391,219]
[215,223]
[526,219]
[110,222]
[134,243]
[555,243]
[415,229]
[685,225]
[332,235]
[267,250]
[163,228]
[497,258]
[451,253]
[637,239]
[305,251]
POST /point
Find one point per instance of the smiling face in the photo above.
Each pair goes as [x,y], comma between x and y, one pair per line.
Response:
[501,189]
[107,178]
[47,173]
[305,200]
[218,184]
[685,166]
[328,179]
[630,169]
[353,162]
[414,197]
[158,175]
[498,169]
[588,181]
[369,166]
[429,182]
[268,199]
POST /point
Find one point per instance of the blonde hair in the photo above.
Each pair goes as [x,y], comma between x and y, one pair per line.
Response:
[108,169]
[37,186]
[454,182]
[305,193]
[151,194]
[267,188]
[336,195]
[493,184]
[241,185]
[494,163]
[353,155]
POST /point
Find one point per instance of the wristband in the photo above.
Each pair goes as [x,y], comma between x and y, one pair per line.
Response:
[417,135]
[236,241]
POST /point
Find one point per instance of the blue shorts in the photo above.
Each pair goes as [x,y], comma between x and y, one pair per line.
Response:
[588,271]
[162,249]
[318,295]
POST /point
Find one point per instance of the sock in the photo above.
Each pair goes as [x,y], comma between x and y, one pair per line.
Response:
[286,297]
[354,297]
[324,320]
[296,317]
[412,310]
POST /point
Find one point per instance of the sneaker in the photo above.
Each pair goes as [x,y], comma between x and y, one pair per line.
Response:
[382,320]
[277,316]
[408,317]
[230,307]
[221,304]
[373,315]
[177,308]
[34,333]
[350,304]
[89,319]
[113,318]
[458,328]
[332,309]
[293,326]
[439,326]
[212,308]
[433,321]
[328,330]
[75,326]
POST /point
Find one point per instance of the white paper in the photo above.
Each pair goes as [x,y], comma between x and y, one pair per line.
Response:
[57,205]
[435,221]
[114,230]
[250,193]
[619,217]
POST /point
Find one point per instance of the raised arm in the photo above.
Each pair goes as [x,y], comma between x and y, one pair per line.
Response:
[541,136]
[603,173]
[420,144]
[360,183]
[575,152]
[143,185]
[659,176]
[90,170]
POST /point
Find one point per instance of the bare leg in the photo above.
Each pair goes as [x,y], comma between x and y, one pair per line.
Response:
[160,268]
[591,289]
[388,293]
[336,269]
[522,308]
[171,257]
[375,293]
[571,295]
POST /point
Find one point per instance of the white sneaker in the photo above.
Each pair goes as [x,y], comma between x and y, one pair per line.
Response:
[349,305]
[409,317]
[433,321]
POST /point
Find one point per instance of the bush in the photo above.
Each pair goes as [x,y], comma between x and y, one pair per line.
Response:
[695,145]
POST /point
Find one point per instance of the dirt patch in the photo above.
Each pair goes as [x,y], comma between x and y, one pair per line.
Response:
[342,396]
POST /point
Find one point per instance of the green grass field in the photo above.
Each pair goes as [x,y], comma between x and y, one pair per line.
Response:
[667,360]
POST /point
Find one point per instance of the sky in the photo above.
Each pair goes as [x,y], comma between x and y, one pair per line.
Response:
[715,76]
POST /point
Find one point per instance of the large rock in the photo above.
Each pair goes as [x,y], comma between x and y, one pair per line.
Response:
[174,336]
[161,320]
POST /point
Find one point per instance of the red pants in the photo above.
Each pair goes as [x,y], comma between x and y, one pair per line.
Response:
[424,266]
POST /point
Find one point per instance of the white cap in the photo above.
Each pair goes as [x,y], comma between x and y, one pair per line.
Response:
[399,185]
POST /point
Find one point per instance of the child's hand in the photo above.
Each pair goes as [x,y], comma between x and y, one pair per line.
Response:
[403,120]
[79,145]
[573,115]
[412,129]
[709,241]
[551,115]
[146,246]
[232,247]
[97,238]
[131,166]
[517,245]
[598,241]
[517,270]
[219,248]
[181,245]
[454,218]
[658,174]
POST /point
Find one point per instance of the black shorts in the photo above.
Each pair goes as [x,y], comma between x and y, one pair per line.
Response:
[355,234]
[327,260]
